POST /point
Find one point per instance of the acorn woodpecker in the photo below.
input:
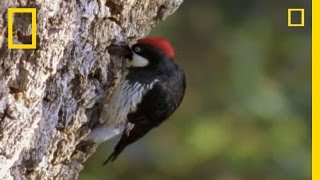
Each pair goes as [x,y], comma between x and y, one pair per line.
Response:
[150,90]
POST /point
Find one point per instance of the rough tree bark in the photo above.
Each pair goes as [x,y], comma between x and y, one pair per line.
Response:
[50,96]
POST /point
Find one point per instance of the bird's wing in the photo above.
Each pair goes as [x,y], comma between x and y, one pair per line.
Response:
[151,111]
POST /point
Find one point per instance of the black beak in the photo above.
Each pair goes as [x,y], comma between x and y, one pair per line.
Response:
[121,50]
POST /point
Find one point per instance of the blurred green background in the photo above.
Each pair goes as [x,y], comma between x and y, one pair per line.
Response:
[247,111]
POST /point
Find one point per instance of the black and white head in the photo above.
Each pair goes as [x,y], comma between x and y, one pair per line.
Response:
[148,53]
[151,52]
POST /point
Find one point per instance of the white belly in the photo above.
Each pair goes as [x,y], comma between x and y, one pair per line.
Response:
[124,100]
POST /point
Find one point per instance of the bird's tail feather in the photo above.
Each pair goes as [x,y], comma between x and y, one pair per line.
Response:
[111,158]
[117,150]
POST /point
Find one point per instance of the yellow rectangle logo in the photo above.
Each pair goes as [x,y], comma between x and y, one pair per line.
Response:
[33,12]
[290,14]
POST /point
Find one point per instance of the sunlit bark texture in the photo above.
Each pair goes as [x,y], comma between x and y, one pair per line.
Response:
[51,96]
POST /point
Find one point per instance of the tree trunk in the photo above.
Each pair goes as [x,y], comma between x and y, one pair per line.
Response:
[51,96]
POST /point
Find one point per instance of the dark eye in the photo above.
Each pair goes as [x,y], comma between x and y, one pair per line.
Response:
[137,49]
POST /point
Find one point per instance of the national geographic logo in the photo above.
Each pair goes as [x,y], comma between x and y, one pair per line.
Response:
[33,12]
[298,12]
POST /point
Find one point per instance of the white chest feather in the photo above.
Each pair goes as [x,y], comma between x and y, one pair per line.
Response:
[124,100]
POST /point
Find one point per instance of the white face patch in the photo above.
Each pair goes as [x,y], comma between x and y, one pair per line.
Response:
[138,61]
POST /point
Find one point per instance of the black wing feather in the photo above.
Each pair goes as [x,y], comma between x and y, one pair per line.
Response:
[156,106]
[150,113]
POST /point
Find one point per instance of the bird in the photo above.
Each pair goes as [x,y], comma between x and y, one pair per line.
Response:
[151,89]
